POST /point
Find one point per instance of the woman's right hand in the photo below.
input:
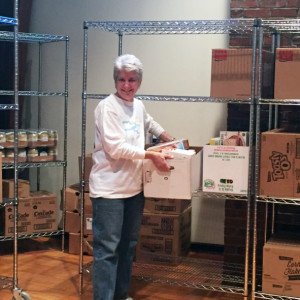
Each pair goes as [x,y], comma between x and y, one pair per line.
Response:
[159,160]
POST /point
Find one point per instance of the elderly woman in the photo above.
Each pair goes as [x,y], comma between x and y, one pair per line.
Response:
[116,186]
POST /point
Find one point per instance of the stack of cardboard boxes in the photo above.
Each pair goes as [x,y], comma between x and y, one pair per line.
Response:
[37,211]
[73,213]
[72,222]
[166,226]
[280,150]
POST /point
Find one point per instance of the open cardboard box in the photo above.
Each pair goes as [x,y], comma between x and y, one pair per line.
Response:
[178,183]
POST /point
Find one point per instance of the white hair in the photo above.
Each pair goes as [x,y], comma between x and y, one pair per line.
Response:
[129,63]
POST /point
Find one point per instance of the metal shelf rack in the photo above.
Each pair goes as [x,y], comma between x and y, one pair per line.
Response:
[275,28]
[246,28]
[16,37]
[6,282]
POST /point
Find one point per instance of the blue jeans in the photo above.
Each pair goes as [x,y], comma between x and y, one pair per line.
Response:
[116,226]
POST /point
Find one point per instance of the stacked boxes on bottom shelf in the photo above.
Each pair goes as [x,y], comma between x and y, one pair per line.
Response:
[281,267]
[165,231]
[72,222]
[37,211]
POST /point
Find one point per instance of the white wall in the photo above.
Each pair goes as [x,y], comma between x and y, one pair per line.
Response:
[173,65]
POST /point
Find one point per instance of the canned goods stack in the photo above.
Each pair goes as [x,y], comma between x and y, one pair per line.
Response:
[34,145]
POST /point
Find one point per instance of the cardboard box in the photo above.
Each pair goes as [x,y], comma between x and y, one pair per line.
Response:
[287,72]
[72,222]
[166,206]
[231,73]
[74,244]
[8,188]
[25,217]
[166,235]
[281,268]
[36,213]
[280,164]
[44,211]
[87,169]
[225,169]
[178,183]
[73,201]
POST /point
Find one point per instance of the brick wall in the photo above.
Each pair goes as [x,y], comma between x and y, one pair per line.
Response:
[238,119]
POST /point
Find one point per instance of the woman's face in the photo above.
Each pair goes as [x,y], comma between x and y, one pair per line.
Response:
[127,85]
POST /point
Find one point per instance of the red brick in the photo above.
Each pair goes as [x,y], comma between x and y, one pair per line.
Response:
[236,3]
[272,3]
[251,3]
[293,3]
[237,13]
[257,13]
[284,12]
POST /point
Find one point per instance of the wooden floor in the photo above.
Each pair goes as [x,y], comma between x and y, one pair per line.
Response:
[46,273]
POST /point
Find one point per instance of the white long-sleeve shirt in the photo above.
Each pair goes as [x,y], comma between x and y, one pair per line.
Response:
[119,147]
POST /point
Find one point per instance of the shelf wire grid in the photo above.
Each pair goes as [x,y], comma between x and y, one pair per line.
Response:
[260,295]
[282,25]
[276,200]
[33,93]
[164,98]
[175,27]
[189,272]
[33,235]
[32,37]
[279,101]
[34,164]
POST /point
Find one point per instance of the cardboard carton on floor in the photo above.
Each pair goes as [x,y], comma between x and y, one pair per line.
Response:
[287,72]
[281,268]
[180,182]
[164,238]
[279,164]
[225,169]
[231,73]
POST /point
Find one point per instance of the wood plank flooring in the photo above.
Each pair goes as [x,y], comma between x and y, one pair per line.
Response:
[46,273]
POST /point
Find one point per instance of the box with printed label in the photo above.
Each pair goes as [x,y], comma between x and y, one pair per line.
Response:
[231,73]
[287,72]
[225,169]
[180,182]
[24,218]
[44,211]
[280,164]
[72,224]
[166,235]
[281,268]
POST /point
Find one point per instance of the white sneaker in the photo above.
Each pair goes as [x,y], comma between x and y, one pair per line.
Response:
[129,298]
